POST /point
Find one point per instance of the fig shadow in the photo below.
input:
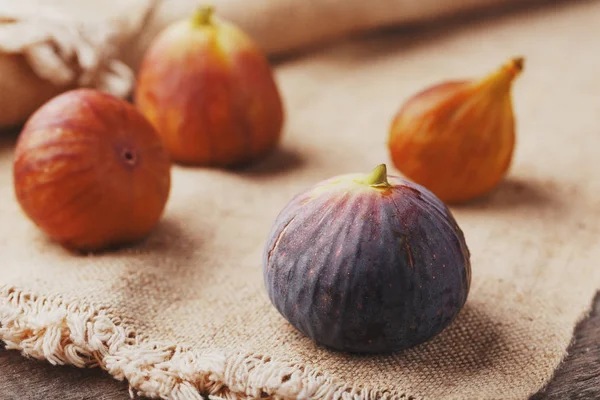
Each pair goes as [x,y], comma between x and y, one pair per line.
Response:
[168,238]
[479,341]
[158,266]
[279,162]
[516,192]
[471,346]
[8,139]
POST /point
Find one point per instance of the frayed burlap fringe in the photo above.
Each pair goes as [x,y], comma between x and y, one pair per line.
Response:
[49,328]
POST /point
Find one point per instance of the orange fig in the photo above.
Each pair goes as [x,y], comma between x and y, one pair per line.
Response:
[90,171]
[457,138]
[210,92]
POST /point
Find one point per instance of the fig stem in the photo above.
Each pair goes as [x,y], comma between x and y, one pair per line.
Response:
[515,65]
[378,177]
[503,76]
[203,15]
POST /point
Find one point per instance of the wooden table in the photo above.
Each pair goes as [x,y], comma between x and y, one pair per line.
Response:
[22,379]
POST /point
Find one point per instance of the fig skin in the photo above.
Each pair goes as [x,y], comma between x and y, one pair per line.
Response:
[457,138]
[211,93]
[90,171]
[367,268]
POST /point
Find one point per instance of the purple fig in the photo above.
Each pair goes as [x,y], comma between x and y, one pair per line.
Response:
[367,263]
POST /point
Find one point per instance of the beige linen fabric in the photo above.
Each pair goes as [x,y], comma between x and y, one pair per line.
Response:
[49,47]
[283,27]
[185,311]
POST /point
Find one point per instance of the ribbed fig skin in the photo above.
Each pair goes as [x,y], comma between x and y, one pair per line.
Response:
[364,269]
[211,94]
[457,138]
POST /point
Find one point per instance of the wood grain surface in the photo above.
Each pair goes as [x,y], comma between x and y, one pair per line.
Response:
[578,377]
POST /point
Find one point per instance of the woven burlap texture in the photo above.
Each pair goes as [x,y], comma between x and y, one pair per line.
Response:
[185,311]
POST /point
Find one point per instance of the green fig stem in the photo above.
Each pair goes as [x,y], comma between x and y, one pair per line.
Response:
[378,177]
[203,16]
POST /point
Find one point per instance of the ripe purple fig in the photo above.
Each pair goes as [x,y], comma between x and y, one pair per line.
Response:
[367,263]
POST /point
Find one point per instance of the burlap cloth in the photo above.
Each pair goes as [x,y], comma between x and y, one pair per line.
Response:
[185,312]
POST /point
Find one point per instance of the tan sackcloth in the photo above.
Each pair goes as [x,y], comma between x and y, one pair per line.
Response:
[185,311]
